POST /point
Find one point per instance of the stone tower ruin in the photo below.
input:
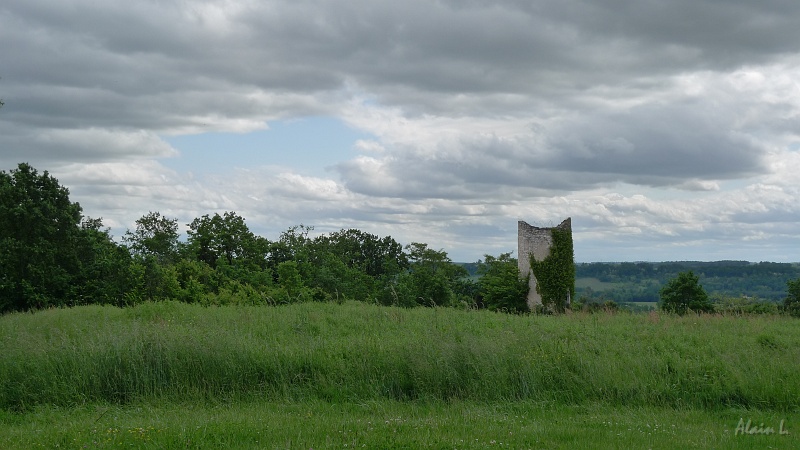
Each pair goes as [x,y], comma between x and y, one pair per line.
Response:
[537,242]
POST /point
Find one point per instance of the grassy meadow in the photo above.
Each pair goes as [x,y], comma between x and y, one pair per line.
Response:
[324,375]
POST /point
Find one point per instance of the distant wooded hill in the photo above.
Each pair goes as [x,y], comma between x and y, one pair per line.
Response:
[642,281]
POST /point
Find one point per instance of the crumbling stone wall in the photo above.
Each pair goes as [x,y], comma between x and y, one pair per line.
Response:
[535,241]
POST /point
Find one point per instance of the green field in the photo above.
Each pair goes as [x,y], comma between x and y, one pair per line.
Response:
[322,375]
[595,284]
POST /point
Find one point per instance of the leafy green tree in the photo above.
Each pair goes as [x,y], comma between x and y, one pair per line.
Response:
[152,281]
[290,279]
[196,280]
[238,258]
[332,276]
[39,228]
[500,286]
[154,246]
[684,293]
[155,235]
[366,252]
[105,266]
[430,280]
[791,304]
[220,237]
[352,264]
[292,245]
[251,267]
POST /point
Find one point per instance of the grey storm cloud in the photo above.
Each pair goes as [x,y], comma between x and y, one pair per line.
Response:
[649,145]
[441,48]
[159,66]
[668,144]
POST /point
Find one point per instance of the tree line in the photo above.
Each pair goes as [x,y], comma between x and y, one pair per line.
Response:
[684,293]
[642,281]
[51,255]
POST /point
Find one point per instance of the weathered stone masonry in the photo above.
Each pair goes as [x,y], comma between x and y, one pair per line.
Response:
[537,242]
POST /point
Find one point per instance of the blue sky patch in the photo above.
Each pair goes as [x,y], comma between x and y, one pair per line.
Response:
[307,145]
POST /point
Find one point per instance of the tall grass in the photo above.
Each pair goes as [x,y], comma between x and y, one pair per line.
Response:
[357,352]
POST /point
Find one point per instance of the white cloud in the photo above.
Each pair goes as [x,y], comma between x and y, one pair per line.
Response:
[369,146]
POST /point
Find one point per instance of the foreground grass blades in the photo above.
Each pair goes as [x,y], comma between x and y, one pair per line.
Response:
[321,375]
[357,352]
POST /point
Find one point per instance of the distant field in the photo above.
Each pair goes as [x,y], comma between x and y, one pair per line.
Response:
[322,375]
[595,284]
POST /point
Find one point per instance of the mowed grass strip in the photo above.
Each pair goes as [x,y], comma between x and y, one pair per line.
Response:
[387,424]
[356,352]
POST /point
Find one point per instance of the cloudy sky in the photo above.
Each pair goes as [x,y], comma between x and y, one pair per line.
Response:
[666,130]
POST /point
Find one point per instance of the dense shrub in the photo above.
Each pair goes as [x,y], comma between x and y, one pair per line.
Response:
[792,302]
[683,294]
[500,286]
